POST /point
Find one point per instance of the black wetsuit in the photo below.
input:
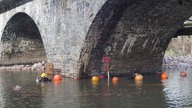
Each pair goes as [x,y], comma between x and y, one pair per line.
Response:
[132,76]
[44,79]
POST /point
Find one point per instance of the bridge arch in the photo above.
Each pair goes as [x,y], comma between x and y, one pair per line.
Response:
[134,33]
[21,41]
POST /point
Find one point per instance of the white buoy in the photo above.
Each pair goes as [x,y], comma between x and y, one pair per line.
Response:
[37,80]
[17,88]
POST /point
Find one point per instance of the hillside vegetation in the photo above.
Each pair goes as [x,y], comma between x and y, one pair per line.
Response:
[181,46]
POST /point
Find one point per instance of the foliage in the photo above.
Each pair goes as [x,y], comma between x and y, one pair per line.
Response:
[180,46]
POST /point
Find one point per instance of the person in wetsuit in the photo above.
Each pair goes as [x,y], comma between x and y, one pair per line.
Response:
[132,76]
[44,78]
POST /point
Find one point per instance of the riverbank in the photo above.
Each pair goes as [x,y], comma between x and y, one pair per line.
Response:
[40,66]
[178,61]
[168,61]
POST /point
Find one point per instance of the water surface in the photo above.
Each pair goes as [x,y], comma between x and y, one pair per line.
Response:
[176,92]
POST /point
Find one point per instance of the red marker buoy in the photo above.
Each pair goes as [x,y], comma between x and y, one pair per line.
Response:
[183,74]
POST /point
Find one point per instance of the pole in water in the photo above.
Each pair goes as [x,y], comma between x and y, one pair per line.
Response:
[107,68]
[106,59]
[108,76]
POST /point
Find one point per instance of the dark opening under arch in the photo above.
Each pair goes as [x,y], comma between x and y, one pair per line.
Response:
[21,41]
[134,33]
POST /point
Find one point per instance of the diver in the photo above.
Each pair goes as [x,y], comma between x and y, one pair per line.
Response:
[43,78]
[132,76]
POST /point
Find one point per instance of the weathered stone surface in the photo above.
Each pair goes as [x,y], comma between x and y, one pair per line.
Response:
[134,34]
[62,25]
[21,41]
[6,5]
[77,33]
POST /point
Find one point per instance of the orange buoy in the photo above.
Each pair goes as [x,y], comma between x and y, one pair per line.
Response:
[164,76]
[115,79]
[95,79]
[138,77]
[57,78]
[183,74]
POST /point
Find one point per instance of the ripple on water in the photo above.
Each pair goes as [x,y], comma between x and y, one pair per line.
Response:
[178,91]
[174,92]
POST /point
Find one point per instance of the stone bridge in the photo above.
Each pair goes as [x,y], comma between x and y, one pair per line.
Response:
[74,35]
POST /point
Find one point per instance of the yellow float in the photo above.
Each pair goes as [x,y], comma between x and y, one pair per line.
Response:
[138,77]
[95,79]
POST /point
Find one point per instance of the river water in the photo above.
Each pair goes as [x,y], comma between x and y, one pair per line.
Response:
[176,92]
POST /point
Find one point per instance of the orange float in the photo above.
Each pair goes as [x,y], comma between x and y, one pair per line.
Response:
[164,76]
[115,79]
[138,77]
[95,79]
[183,74]
[57,78]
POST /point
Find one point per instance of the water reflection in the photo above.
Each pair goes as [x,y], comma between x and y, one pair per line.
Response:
[115,83]
[152,92]
[95,84]
[28,95]
[2,100]
[178,90]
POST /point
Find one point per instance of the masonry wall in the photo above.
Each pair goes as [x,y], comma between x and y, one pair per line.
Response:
[62,26]
[76,34]
[134,34]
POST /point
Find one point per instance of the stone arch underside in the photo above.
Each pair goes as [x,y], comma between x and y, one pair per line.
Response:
[134,33]
[6,5]
[21,41]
